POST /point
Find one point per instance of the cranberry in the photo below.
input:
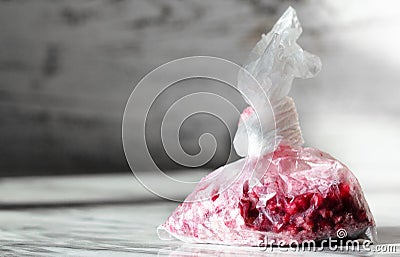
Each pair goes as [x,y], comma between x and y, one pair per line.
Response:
[309,212]
[304,195]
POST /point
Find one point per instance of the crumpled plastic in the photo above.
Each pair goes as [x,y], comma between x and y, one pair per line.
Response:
[280,191]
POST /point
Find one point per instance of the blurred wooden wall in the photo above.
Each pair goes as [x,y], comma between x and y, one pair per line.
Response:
[67,69]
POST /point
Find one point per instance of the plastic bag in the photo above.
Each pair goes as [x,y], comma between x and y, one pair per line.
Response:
[280,191]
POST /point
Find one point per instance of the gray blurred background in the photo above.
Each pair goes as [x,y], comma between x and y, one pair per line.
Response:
[67,68]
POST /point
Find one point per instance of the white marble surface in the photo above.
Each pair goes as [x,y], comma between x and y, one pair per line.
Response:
[110,216]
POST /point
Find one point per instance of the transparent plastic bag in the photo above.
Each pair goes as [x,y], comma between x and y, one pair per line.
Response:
[280,191]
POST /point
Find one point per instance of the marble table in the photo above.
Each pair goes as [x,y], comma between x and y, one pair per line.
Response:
[113,215]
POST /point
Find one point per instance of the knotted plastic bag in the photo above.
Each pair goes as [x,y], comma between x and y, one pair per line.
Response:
[280,192]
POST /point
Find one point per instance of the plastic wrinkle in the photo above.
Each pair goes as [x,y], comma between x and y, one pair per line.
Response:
[280,191]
